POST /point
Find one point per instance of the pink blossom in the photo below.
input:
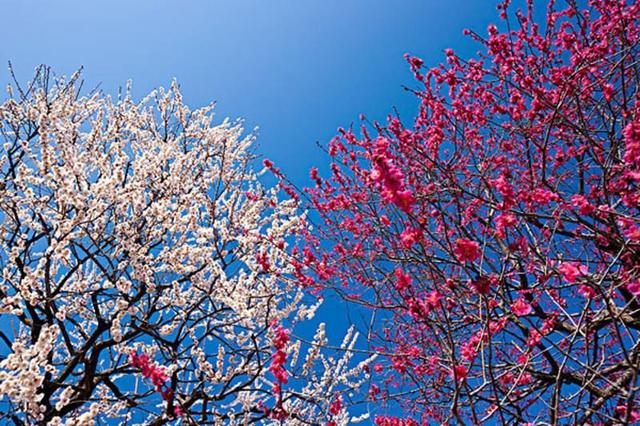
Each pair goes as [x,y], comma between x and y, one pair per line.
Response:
[279,357]
[469,349]
[634,288]
[433,298]
[481,285]
[525,379]
[459,372]
[571,271]
[634,416]
[389,179]
[584,207]
[336,405]
[503,222]
[520,307]
[149,370]
[632,232]
[542,196]
[505,189]
[586,291]
[158,377]
[631,135]
[534,338]
[403,280]
[466,250]
[608,91]
[394,421]
[410,236]
[414,61]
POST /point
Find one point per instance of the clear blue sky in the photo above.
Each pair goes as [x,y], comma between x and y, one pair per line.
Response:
[298,69]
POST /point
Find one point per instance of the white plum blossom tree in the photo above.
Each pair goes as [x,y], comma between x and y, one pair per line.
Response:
[146,273]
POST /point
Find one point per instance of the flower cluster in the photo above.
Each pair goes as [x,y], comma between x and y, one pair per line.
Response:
[158,377]
[279,357]
[394,421]
[389,178]
[467,250]
[278,360]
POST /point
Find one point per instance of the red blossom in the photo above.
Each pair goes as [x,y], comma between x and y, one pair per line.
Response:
[158,377]
[278,360]
[634,415]
[403,280]
[394,421]
[336,405]
[466,250]
[520,307]
[571,271]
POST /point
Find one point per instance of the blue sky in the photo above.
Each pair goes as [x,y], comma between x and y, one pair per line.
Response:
[298,69]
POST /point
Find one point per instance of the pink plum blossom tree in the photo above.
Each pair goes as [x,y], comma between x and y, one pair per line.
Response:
[495,237]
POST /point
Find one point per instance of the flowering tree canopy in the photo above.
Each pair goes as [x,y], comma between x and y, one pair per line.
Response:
[496,237]
[146,274]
